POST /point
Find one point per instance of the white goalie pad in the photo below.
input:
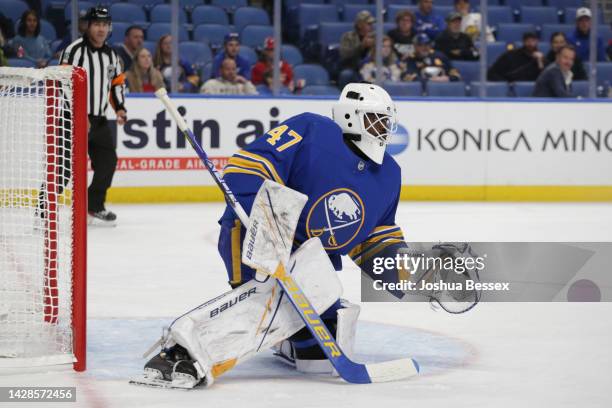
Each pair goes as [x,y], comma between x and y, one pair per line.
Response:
[234,326]
[272,222]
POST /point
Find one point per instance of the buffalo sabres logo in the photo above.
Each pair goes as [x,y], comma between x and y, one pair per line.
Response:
[336,218]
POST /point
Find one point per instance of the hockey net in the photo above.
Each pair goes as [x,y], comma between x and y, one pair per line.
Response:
[43,178]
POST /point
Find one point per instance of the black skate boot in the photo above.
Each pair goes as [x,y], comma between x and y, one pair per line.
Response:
[171,368]
[102,218]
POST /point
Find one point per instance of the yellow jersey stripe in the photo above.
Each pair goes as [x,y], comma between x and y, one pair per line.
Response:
[229,170]
[248,164]
[263,160]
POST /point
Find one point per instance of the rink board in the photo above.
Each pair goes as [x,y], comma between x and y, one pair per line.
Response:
[447,149]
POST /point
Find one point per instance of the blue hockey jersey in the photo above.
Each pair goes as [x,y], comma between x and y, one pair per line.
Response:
[351,202]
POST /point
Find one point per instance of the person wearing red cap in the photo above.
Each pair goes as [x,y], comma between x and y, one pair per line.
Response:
[265,65]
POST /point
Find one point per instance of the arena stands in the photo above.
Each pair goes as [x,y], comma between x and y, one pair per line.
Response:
[311,33]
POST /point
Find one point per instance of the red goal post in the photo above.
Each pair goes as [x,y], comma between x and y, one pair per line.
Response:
[43,216]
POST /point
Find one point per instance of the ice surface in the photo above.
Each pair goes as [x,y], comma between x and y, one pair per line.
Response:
[161,260]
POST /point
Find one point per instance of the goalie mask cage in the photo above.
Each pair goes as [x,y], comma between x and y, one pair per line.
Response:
[43,210]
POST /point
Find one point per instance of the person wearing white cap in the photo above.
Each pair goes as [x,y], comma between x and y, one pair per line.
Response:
[580,37]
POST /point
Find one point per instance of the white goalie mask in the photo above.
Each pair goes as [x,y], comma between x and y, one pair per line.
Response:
[367,111]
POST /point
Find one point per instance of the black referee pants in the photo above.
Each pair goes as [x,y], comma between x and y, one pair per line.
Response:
[103,155]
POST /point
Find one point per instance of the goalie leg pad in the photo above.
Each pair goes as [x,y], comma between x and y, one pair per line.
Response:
[302,350]
[236,325]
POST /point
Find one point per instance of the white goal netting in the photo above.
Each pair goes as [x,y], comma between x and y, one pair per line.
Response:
[36,216]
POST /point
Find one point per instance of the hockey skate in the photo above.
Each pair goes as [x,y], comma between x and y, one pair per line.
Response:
[171,368]
[102,218]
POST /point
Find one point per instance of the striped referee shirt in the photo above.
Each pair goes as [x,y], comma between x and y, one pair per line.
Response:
[106,79]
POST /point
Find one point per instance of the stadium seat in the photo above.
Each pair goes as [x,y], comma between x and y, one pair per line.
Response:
[549,29]
[314,14]
[211,33]
[291,54]
[561,4]
[146,4]
[394,8]
[150,45]
[494,89]
[118,33]
[320,90]
[190,4]
[156,30]
[254,35]
[539,15]
[510,33]
[340,4]
[517,4]
[445,89]
[162,13]
[494,50]
[499,14]
[604,72]
[265,91]
[129,13]
[195,52]
[351,11]
[205,72]
[580,88]
[83,5]
[209,15]
[245,16]
[605,32]
[313,74]
[53,62]
[523,89]
[230,5]
[389,3]
[248,54]
[403,88]
[330,33]
[469,70]
[443,10]
[20,62]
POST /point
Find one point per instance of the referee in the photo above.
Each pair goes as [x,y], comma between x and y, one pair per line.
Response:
[106,84]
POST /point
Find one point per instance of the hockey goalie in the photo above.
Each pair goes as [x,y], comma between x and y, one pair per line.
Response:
[351,188]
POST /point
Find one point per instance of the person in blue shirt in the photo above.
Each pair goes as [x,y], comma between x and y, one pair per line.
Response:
[231,48]
[580,38]
[29,43]
[427,20]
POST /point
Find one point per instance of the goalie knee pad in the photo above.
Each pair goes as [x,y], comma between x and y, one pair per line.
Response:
[303,351]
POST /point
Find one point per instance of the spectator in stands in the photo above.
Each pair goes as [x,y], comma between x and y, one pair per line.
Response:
[143,77]
[521,64]
[229,82]
[580,38]
[390,68]
[403,34]
[428,64]
[427,20]
[556,80]
[187,77]
[265,65]
[558,40]
[67,40]
[29,43]
[355,45]
[231,48]
[132,42]
[454,43]
[471,21]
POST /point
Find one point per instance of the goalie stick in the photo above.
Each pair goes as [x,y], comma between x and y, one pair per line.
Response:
[349,370]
